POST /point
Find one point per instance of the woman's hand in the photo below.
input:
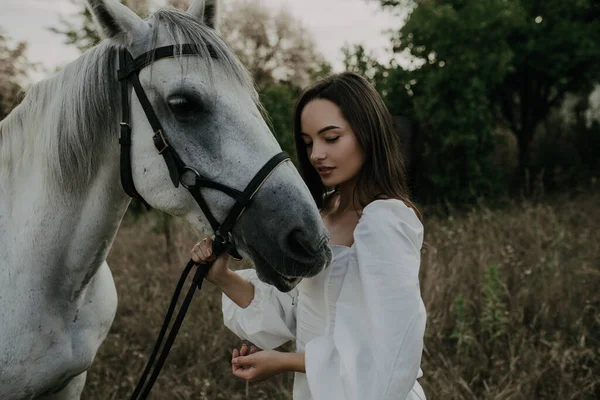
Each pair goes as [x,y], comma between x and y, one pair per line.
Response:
[257,366]
[202,253]
[240,291]
[253,364]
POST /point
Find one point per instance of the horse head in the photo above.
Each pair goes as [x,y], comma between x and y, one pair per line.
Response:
[209,114]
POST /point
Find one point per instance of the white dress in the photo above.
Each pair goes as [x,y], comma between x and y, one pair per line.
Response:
[360,322]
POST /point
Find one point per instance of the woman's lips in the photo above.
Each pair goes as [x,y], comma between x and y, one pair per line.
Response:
[325,171]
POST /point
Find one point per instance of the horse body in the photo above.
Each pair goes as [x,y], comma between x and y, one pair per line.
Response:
[62,202]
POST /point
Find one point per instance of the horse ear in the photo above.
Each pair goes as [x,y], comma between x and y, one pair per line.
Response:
[116,21]
[205,11]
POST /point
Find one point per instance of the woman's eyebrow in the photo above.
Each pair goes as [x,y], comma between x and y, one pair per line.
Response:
[327,128]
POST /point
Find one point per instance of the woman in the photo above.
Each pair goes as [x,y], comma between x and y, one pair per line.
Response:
[359,324]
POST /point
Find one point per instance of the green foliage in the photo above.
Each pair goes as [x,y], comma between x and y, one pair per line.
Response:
[358,59]
[463,331]
[494,315]
[82,34]
[483,64]
[492,325]
[79,30]
[322,70]
[278,101]
[458,121]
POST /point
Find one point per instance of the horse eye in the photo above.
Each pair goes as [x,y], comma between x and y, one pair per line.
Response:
[183,105]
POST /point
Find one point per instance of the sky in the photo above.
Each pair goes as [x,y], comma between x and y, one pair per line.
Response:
[333,23]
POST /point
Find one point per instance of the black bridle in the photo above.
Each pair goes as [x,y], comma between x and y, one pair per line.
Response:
[128,73]
[189,178]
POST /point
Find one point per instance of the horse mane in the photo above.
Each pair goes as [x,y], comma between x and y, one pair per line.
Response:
[68,121]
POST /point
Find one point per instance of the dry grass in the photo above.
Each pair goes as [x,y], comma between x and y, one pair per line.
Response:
[512,297]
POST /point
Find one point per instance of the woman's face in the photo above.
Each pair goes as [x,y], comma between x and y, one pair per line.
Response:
[331,145]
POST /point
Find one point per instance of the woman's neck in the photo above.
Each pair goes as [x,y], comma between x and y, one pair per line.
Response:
[348,201]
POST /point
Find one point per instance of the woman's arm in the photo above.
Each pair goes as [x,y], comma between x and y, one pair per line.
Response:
[252,309]
[294,362]
[239,290]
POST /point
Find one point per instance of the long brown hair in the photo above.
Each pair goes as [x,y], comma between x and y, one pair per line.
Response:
[383,174]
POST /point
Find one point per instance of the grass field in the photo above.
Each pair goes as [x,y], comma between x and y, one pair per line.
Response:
[512,294]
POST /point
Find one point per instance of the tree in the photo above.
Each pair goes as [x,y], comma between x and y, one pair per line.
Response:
[13,69]
[82,33]
[273,45]
[360,60]
[491,62]
[278,100]
[279,54]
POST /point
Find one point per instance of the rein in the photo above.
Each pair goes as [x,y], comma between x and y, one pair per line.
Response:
[189,178]
[142,390]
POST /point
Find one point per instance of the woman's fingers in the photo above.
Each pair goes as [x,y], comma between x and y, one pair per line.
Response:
[234,354]
[245,367]
[237,366]
[196,255]
[246,374]
[202,251]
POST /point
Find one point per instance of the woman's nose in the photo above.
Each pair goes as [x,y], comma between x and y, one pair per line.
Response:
[317,153]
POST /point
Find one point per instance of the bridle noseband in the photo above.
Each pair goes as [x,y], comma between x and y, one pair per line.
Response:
[189,178]
[128,73]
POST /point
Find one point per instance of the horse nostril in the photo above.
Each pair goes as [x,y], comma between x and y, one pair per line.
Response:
[308,254]
[300,246]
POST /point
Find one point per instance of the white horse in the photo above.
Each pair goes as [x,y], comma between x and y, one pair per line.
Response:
[61,201]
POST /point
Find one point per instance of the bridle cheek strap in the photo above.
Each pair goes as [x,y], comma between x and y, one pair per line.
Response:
[125,138]
[174,163]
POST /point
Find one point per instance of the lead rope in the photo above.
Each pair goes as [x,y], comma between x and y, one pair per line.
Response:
[201,271]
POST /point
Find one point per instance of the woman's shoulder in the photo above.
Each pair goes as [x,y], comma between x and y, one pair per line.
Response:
[384,208]
[386,218]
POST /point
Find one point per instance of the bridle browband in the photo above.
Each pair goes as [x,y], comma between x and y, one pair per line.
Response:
[189,178]
[128,73]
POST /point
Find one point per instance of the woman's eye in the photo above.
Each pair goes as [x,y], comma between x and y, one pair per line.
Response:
[308,145]
[183,105]
[333,139]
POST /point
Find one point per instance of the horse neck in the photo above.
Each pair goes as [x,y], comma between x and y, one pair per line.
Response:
[53,237]
[54,231]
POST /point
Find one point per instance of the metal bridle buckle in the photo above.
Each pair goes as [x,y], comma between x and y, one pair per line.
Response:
[228,244]
[159,134]
[231,248]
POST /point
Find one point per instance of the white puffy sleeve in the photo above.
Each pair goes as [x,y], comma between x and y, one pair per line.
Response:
[269,320]
[374,349]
